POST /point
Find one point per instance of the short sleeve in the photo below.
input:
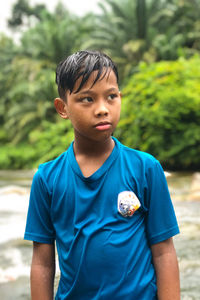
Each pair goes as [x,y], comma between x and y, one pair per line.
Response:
[39,227]
[161,220]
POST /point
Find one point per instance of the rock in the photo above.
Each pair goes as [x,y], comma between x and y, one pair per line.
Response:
[15,289]
[194,193]
[167,174]
[13,189]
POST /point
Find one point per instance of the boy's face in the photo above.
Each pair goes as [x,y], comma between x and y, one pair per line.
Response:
[95,110]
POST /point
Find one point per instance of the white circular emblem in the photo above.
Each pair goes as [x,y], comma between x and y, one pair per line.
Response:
[128,203]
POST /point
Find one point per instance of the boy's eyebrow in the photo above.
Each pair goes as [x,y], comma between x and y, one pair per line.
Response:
[89,91]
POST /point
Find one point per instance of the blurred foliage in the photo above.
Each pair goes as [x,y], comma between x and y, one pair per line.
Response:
[22,11]
[160,113]
[41,146]
[147,30]
[56,36]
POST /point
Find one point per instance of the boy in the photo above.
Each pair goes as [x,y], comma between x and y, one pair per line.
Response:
[107,206]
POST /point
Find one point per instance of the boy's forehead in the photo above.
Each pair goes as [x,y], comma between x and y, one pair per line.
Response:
[91,80]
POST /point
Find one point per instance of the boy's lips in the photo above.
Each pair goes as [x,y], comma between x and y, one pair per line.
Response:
[103,125]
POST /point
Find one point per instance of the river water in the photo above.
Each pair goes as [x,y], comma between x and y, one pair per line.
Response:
[15,253]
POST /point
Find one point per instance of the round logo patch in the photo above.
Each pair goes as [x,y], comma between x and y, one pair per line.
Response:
[128,203]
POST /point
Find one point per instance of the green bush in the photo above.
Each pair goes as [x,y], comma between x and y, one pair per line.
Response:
[42,146]
[161,112]
[160,115]
[52,141]
[17,157]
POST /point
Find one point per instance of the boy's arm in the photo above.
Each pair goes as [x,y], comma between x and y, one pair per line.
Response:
[167,271]
[42,271]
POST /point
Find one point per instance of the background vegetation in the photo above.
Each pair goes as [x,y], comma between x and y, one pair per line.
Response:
[156,44]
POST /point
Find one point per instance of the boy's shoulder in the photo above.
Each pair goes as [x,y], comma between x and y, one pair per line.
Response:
[138,156]
[142,163]
[49,170]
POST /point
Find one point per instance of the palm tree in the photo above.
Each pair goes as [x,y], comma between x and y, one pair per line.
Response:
[21,11]
[148,30]
[122,30]
[177,24]
[113,28]
[31,77]
[57,35]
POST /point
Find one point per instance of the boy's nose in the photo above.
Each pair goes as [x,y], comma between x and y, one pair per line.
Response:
[101,109]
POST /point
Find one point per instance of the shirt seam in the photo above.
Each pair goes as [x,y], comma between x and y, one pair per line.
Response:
[163,233]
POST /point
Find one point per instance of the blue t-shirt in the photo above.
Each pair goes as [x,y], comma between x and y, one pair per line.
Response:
[104,224]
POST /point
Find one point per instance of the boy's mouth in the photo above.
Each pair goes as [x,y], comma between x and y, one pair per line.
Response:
[103,126]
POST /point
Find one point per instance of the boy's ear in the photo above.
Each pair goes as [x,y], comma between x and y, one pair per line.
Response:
[60,106]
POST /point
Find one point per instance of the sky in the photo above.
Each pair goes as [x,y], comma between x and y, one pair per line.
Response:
[79,7]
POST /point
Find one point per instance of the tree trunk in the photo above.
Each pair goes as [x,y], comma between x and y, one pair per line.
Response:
[141,19]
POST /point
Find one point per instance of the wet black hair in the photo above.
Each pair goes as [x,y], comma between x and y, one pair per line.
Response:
[82,63]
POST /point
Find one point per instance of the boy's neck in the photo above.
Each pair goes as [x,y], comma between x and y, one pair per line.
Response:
[90,156]
[93,148]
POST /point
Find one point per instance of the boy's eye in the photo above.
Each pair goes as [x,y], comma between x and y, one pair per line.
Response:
[112,96]
[86,100]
